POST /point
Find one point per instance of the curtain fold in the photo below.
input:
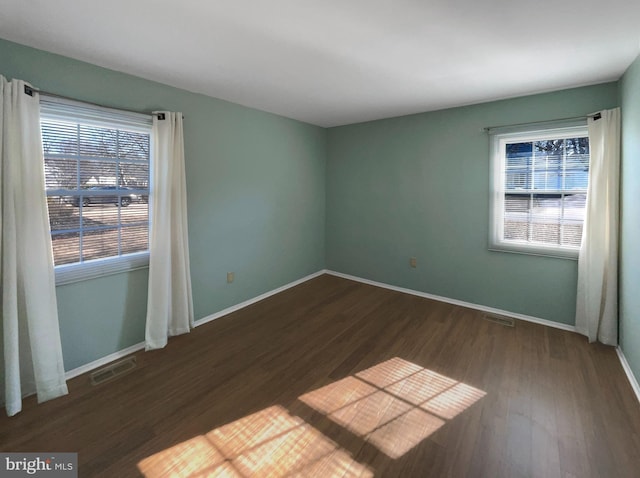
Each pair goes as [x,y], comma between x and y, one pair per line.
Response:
[169,303]
[31,336]
[597,297]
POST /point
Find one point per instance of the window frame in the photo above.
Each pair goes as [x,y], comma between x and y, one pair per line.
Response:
[498,140]
[54,108]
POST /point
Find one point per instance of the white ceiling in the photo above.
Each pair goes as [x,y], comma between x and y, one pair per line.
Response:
[334,62]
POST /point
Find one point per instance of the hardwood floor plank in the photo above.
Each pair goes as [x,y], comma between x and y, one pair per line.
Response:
[336,378]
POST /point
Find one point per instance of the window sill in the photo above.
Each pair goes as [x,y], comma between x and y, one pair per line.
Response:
[569,253]
[70,273]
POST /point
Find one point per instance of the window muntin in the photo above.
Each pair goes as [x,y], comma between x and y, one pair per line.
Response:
[539,187]
[97,187]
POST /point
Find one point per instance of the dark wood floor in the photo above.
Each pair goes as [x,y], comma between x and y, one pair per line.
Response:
[334,378]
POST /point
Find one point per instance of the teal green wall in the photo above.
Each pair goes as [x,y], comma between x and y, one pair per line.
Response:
[630,218]
[256,199]
[418,186]
[415,186]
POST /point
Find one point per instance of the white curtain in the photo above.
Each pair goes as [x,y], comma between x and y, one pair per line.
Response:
[597,299]
[169,304]
[31,335]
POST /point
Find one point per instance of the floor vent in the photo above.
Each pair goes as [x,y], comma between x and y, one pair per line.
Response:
[500,319]
[113,371]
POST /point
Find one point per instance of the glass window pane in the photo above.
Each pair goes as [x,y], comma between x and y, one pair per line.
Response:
[574,208]
[578,161]
[66,248]
[547,206]
[547,179]
[545,218]
[97,173]
[545,231]
[135,239]
[59,137]
[515,204]
[572,234]
[576,179]
[547,172]
[98,244]
[549,147]
[61,173]
[99,142]
[101,211]
[577,146]
[517,179]
[136,212]
[518,155]
[548,168]
[135,175]
[62,214]
[104,211]
[516,216]
[133,145]
[516,230]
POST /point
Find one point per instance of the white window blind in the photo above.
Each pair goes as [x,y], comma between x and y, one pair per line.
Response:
[539,188]
[97,185]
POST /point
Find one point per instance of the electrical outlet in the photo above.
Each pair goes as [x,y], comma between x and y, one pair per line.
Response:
[413,262]
[230,277]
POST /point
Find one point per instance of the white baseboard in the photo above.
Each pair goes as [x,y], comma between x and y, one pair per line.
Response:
[134,348]
[103,361]
[246,303]
[627,370]
[139,346]
[483,308]
[623,360]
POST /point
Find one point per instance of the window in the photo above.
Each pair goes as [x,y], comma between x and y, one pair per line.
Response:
[539,190]
[96,163]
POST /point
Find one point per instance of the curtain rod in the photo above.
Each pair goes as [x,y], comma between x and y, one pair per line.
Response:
[30,90]
[595,116]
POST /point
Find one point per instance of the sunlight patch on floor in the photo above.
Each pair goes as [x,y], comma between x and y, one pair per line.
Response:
[393,405]
[185,459]
[338,394]
[269,443]
[398,436]
[389,372]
